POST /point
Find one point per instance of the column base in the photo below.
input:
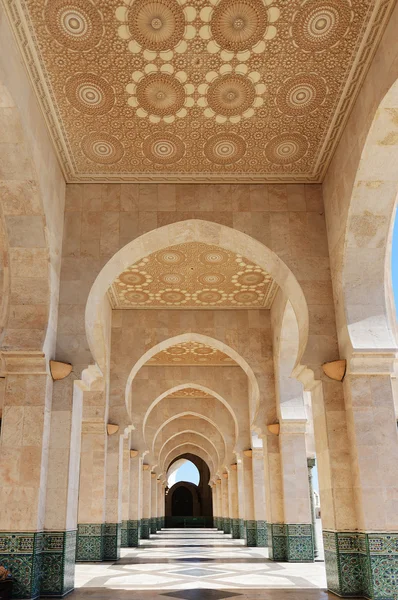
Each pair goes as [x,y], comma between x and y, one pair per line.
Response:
[145,529]
[290,542]
[133,533]
[153,524]
[251,533]
[227,525]
[242,529]
[124,538]
[235,529]
[362,564]
[261,534]
[22,554]
[112,539]
[58,563]
[90,542]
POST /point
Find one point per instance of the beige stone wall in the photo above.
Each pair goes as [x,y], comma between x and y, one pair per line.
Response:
[367,232]
[32,192]
[100,219]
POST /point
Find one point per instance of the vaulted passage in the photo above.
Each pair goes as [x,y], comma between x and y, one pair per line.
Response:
[198,336]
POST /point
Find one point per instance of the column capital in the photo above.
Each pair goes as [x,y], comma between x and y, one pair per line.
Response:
[372,362]
[225,475]
[24,363]
[133,453]
[146,467]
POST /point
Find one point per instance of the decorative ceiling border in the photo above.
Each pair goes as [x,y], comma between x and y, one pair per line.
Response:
[23,30]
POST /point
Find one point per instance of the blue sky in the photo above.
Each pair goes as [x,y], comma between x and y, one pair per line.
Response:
[187,472]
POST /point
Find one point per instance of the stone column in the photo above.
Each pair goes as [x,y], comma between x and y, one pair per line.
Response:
[154,503]
[335,482]
[214,497]
[233,501]
[241,497]
[62,491]
[219,504]
[365,558]
[134,520]
[160,506]
[114,483]
[225,503]
[311,465]
[146,502]
[249,497]
[259,497]
[24,444]
[92,479]
[296,494]
[125,492]
[276,531]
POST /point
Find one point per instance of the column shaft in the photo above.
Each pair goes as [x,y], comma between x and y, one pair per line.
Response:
[134,520]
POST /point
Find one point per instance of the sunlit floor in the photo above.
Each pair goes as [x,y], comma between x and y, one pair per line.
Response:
[178,566]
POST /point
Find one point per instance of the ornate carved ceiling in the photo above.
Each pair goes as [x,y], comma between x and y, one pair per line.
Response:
[226,90]
[193,354]
[193,275]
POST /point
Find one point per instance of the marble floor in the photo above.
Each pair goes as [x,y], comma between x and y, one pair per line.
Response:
[198,565]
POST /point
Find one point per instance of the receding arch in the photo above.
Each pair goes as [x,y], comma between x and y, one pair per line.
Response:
[366,271]
[200,388]
[190,448]
[204,339]
[191,414]
[186,437]
[193,230]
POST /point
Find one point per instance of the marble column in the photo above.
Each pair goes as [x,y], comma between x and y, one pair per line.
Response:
[276,531]
[363,561]
[24,449]
[154,503]
[59,548]
[260,516]
[233,501]
[125,492]
[219,504]
[298,527]
[241,496]
[114,486]
[160,505]
[225,503]
[92,478]
[215,508]
[311,465]
[134,520]
[249,497]
[146,502]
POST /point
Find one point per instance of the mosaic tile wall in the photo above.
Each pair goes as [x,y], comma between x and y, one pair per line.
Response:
[112,540]
[90,542]
[153,524]
[124,535]
[133,533]
[362,564]
[42,564]
[291,543]
[22,554]
[145,526]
